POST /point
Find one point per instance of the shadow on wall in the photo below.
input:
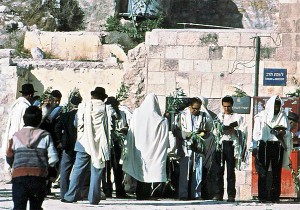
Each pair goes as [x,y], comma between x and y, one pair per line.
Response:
[208,12]
[38,86]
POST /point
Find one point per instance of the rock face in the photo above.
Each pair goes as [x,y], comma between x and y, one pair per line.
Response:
[37,53]
[96,12]
[73,45]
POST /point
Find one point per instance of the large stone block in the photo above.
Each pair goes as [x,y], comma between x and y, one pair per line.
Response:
[185,65]
[4,62]
[297,40]
[196,52]
[167,37]
[156,51]
[9,71]
[170,65]
[229,39]
[182,80]
[206,84]
[296,54]
[220,66]
[151,38]
[287,40]
[195,84]
[285,10]
[156,78]
[154,64]
[188,37]
[283,54]
[229,53]
[215,52]
[245,53]
[157,89]
[174,52]
[203,66]
[170,82]
[247,39]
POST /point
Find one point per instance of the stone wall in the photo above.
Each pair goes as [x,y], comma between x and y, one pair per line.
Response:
[78,46]
[202,62]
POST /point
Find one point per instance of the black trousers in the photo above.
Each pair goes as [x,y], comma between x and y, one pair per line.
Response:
[117,170]
[270,153]
[222,157]
[28,188]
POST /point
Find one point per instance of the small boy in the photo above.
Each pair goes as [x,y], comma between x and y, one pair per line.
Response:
[30,152]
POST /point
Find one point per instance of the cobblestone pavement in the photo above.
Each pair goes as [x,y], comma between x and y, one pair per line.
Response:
[53,203]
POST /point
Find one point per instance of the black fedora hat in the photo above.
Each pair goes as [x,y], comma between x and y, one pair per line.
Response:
[293,116]
[99,91]
[27,89]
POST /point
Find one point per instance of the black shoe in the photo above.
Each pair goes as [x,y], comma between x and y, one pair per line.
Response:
[262,201]
[231,200]
[65,201]
[183,198]
[122,195]
[217,198]
[275,201]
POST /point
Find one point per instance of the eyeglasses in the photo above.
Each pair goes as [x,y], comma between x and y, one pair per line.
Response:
[195,108]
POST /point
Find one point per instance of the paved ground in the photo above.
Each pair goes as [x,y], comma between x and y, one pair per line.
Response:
[54,203]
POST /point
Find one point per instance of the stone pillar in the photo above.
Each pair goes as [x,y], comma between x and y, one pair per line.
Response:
[11,77]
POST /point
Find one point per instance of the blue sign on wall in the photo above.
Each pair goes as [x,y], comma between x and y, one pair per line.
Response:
[274,77]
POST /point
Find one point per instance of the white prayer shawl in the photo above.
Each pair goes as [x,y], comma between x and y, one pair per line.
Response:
[127,112]
[186,120]
[93,131]
[262,131]
[147,143]
[15,120]
[204,107]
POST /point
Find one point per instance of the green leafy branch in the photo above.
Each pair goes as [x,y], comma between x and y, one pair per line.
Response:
[197,142]
[218,132]
[46,95]
[238,92]
[175,101]
[68,107]
[122,93]
[295,176]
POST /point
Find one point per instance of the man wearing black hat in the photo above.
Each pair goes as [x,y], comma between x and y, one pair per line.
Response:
[92,147]
[66,133]
[17,110]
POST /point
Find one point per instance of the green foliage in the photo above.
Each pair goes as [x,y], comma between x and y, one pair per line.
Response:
[47,16]
[68,107]
[122,93]
[121,38]
[15,41]
[137,28]
[239,92]
[175,101]
[211,38]
[70,16]
[46,95]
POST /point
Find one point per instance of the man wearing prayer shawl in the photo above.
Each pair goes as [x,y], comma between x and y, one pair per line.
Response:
[147,143]
[92,147]
[193,119]
[231,142]
[16,113]
[271,146]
